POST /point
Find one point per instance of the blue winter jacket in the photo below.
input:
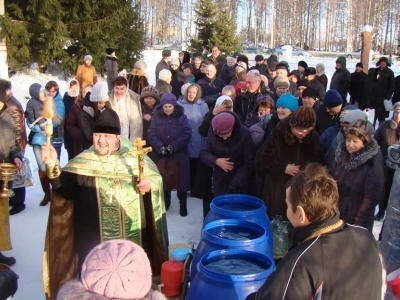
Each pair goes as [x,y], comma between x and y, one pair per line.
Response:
[34,108]
[195,114]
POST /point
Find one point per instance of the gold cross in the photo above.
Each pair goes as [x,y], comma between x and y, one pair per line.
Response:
[140,152]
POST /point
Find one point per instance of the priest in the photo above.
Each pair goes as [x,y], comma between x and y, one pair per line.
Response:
[97,197]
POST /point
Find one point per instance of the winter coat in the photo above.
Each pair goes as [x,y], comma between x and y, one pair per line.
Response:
[68,101]
[247,101]
[162,65]
[204,128]
[360,90]
[280,149]
[227,73]
[334,264]
[396,94]
[134,110]
[381,136]
[271,125]
[382,89]
[341,79]
[111,69]
[239,148]
[218,63]
[33,111]
[72,128]
[319,88]
[163,87]
[9,149]
[359,178]
[86,75]
[137,80]
[257,130]
[195,114]
[211,86]
[147,111]
[8,284]
[262,69]
[178,79]
[238,77]
[323,79]
[328,136]
[75,290]
[173,130]
[16,111]
[325,120]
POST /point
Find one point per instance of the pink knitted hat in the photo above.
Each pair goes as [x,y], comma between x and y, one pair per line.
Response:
[117,269]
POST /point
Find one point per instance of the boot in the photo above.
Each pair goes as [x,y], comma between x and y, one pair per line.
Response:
[182,196]
[9,261]
[45,182]
[167,199]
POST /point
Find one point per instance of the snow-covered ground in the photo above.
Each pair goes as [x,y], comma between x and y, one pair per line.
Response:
[28,227]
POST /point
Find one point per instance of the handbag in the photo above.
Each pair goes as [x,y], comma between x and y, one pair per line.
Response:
[169,171]
[388,105]
[24,175]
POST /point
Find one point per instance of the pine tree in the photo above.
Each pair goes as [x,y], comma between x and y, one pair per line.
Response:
[45,30]
[215,27]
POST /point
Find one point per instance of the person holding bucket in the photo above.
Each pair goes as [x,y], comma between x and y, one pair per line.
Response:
[329,259]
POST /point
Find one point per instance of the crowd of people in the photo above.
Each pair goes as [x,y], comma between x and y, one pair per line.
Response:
[216,126]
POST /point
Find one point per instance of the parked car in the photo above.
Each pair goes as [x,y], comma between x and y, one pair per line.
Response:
[161,46]
[354,54]
[296,51]
[175,46]
[357,54]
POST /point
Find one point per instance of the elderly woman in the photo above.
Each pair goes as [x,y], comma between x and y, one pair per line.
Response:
[137,79]
[358,171]
[291,146]
[195,109]
[169,134]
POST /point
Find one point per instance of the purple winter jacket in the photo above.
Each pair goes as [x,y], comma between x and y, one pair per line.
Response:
[172,130]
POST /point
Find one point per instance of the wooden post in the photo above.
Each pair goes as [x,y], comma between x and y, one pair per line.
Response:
[366,45]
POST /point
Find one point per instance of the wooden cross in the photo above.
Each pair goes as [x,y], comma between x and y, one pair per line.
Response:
[141,152]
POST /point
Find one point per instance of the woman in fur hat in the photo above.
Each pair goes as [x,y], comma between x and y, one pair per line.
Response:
[358,171]
[290,147]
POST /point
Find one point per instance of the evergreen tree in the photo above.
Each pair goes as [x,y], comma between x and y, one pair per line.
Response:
[215,27]
[45,30]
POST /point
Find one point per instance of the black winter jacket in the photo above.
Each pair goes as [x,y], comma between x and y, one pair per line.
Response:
[341,79]
[239,148]
[341,264]
[319,88]
[360,90]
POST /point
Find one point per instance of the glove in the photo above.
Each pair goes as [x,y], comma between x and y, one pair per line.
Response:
[169,149]
[163,151]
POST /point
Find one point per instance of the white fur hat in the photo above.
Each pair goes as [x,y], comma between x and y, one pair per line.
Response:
[165,75]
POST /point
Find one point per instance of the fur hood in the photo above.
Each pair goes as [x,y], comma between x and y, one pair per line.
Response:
[352,161]
[74,290]
[138,73]
[178,111]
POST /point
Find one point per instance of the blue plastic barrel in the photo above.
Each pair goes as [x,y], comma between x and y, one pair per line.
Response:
[229,274]
[231,234]
[243,207]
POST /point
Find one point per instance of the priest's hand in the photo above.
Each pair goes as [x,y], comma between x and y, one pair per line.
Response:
[49,155]
[144,185]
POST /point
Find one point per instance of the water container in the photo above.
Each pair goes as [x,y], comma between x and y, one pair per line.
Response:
[171,278]
[244,207]
[214,283]
[231,234]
